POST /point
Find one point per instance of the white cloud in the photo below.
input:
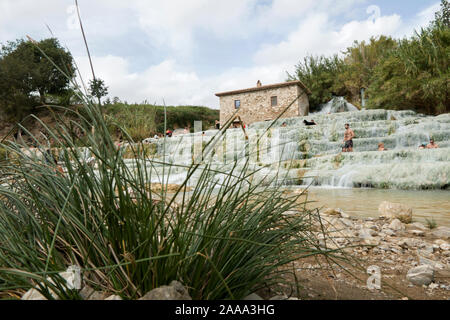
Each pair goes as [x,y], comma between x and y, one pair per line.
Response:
[170,82]
[175,22]
[318,35]
[161,81]
[427,15]
[421,20]
[30,14]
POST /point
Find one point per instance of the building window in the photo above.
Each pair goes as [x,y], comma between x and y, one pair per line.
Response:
[273,101]
[237,104]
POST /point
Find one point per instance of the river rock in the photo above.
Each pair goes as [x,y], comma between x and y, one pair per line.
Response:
[419,226]
[114,297]
[395,211]
[440,241]
[445,247]
[254,296]
[88,293]
[345,215]
[33,294]
[433,286]
[412,242]
[396,225]
[72,276]
[389,232]
[174,291]
[278,297]
[427,248]
[333,212]
[366,233]
[434,264]
[408,243]
[373,241]
[396,249]
[347,222]
[418,233]
[441,232]
[421,275]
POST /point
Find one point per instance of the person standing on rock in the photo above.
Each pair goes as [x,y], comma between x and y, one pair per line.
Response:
[348,139]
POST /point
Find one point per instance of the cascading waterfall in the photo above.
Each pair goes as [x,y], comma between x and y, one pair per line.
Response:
[301,155]
[335,105]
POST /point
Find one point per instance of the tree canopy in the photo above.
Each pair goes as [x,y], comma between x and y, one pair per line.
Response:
[398,74]
[28,74]
[97,88]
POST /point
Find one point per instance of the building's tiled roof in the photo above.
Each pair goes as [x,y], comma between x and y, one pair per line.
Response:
[272,86]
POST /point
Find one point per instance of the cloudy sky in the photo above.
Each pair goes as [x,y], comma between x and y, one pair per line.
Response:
[183,51]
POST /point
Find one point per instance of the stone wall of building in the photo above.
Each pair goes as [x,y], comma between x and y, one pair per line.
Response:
[256,105]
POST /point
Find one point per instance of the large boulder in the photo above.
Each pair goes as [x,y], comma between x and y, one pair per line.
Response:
[441,232]
[72,276]
[434,264]
[254,297]
[174,291]
[33,294]
[367,234]
[419,226]
[396,225]
[398,211]
[421,275]
[88,293]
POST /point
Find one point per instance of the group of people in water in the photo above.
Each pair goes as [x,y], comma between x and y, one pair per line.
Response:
[431,145]
[349,135]
[347,145]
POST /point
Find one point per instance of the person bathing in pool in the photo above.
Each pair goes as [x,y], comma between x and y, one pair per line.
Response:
[432,145]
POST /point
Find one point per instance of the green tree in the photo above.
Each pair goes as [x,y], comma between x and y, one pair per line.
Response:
[398,74]
[443,15]
[27,76]
[360,61]
[98,89]
[342,76]
[319,74]
[415,75]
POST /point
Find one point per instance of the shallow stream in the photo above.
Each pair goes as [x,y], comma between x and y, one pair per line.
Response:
[433,204]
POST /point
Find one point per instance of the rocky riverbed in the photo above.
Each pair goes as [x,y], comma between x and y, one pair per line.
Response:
[413,260]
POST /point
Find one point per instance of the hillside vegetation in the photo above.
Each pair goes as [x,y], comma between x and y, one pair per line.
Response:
[139,120]
[144,120]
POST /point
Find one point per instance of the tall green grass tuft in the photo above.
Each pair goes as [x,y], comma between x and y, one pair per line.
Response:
[222,238]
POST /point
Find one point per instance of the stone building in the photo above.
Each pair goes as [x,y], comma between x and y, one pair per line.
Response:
[263,103]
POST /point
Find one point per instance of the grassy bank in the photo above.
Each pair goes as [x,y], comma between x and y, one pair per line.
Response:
[140,121]
[144,120]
